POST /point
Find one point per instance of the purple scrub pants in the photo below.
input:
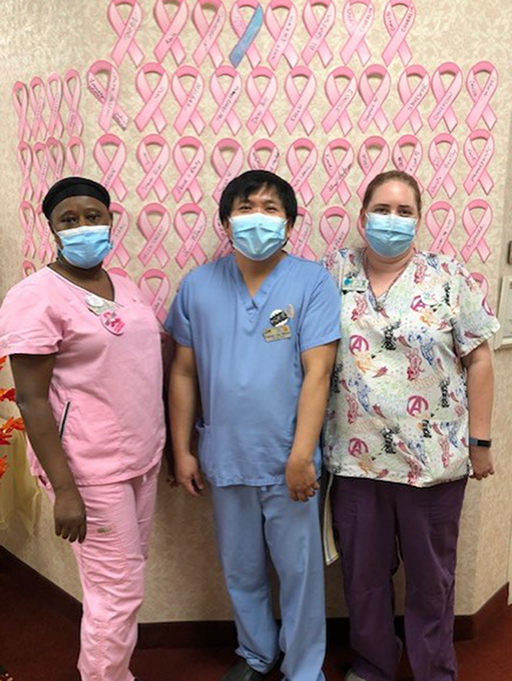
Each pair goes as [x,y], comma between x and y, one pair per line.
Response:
[374,522]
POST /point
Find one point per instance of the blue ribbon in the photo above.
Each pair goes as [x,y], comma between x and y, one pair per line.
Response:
[253,28]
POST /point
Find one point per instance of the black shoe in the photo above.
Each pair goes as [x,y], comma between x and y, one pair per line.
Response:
[242,672]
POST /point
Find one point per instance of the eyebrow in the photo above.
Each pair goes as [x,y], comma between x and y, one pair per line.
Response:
[387,205]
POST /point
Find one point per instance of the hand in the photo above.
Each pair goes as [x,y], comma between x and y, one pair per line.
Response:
[188,475]
[69,515]
[482,461]
[301,479]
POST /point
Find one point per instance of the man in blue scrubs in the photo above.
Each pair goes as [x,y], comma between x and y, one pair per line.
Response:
[256,335]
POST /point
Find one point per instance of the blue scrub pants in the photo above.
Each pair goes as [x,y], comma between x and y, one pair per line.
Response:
[247,520]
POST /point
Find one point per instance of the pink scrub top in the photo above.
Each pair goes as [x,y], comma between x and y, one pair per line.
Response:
[106,388]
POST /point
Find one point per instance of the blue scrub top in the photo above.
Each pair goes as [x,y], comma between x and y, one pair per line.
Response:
[248,356]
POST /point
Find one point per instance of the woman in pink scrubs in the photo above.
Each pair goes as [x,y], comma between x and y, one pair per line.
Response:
[85,353]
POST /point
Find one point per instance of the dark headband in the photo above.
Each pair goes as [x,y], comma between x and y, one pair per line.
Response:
[74,186]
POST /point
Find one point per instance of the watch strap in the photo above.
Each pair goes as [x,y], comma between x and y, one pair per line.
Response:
[479,443]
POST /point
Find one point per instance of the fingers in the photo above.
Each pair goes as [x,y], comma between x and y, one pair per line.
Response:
[192,486]
[198,481]
[82,532]
[304,493]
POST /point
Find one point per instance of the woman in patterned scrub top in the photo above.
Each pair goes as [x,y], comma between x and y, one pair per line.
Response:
[408,421]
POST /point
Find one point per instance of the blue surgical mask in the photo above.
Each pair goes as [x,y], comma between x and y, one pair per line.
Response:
[85,247]
[389,235]
[258,236]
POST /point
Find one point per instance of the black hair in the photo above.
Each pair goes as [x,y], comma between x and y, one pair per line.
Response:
[250,182]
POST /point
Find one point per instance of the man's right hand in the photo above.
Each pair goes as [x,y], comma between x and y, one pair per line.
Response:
[69,514]
[188,475]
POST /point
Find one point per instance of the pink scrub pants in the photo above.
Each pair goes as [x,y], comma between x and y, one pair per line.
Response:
[111,563]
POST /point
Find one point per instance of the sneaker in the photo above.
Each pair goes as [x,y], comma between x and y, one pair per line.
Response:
[350,676]
[241,671]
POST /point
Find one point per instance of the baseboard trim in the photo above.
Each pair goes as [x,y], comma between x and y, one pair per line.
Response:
[221,633]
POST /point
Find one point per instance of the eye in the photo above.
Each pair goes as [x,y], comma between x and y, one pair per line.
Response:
[68,220]
[93,217]
[381,210]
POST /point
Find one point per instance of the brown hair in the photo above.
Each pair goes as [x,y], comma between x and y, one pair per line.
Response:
[388,176]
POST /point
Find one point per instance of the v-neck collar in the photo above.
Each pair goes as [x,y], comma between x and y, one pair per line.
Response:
[254,303]
[373,299]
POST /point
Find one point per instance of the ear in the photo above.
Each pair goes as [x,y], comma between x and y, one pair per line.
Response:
[288,229]
[227,228]
[55,234]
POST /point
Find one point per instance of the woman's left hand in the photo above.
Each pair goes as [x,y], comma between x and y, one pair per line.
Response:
[482,461]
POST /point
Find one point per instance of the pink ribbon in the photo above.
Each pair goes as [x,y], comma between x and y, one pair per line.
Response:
[374,98]
[54,99]
[282,33]
[209,32]
[157,296]
[152,96]
[398,31]
[25,162]
[27,268]
[300,100]
[107,96]
[334,237]
[188,101]
[126,30]
[120,227]
[257,162]
[478,161]
[337,170]
[371,166]
[240,28]
[75,155]
[224,247]
[20,101]
[445,96]
[302,170]
[411,163]
[261,100]
[443,164]
[339,101]
[476,230]
[28,223]
[36,98]
[72,90]
[41,167]
[318,30]
[411,100]
[190,235]
[441,231]
[111,167]
[171,30]
[481,96]
[227,161]
[188,169]
[55,154]
[300,234]
[154,234]
[357,31]
[153,166]
[46,251]
[226,99]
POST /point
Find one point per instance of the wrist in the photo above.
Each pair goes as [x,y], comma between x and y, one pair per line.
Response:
[300,457]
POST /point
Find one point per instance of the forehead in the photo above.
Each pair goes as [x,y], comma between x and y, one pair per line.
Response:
[394,192]
[77,204]
[262,194]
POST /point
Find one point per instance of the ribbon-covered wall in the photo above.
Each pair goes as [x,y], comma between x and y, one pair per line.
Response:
[325,93]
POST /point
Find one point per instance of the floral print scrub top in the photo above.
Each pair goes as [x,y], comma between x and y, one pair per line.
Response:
[398,409]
